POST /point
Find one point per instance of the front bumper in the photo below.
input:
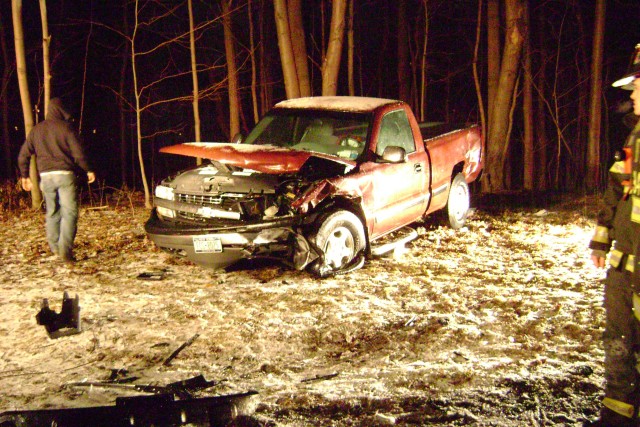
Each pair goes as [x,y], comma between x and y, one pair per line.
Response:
[257,240]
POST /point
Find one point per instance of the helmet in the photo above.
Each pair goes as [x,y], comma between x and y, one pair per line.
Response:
[626,82]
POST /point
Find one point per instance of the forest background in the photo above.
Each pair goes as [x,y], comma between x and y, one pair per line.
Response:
[139,75]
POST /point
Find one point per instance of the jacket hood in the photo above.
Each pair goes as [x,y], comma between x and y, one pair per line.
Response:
[56,110]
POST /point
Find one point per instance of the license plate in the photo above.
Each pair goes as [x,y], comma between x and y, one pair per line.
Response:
[206,244]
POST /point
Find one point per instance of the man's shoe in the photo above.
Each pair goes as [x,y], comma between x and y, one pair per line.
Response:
[68,259]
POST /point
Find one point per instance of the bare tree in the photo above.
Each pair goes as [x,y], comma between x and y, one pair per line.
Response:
[493,52]
[527,110]
[84,71]
[423,60]
[254,73]
[46,41]
[499,122]
[287,58]
[541,162]
[595,106]
[21,68]
[299,46]
[138,109]
[331,62]
[350,49]
[194,74]
[476,78]
[232,70]
[4,100]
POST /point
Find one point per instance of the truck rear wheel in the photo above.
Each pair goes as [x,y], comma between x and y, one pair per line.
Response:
[340,237]
[459,202]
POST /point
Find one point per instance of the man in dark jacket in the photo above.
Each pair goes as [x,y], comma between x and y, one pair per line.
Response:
[59,154]
[619,226]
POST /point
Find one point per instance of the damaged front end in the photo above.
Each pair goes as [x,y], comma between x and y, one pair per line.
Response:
[218,214]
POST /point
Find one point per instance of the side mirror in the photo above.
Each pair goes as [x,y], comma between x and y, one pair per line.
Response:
[393,154]
[237,138]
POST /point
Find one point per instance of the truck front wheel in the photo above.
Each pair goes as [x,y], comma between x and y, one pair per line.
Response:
[340,237]
[458,202]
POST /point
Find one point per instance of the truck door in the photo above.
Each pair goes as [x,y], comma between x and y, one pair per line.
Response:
[400,190]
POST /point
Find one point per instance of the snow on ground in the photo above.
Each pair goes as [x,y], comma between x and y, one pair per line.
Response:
[496,324]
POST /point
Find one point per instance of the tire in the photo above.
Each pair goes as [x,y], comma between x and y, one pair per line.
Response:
[340,238]
[459,202]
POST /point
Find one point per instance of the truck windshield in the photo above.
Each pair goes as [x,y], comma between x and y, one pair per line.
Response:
[338,134]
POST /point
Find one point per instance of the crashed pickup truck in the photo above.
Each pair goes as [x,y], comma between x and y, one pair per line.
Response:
[318,183]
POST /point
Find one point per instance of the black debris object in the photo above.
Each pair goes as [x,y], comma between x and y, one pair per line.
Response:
[142,411]
[152,275]
[182,347]
[181,389]
[65,323]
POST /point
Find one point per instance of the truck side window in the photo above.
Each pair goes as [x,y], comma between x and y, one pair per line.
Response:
[395,131]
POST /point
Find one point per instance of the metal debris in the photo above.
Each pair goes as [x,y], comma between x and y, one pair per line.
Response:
[182,347]
[65,323]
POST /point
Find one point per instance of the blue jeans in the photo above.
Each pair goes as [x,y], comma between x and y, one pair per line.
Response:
[60,196]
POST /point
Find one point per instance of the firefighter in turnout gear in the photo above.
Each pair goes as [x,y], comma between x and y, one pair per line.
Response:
[618,236]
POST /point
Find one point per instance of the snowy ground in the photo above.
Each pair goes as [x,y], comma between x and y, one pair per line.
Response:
[497,324]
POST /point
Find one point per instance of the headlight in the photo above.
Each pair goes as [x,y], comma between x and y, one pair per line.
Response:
[163,192]
[164,212]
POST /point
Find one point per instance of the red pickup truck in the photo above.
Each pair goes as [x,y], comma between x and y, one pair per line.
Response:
[317,184]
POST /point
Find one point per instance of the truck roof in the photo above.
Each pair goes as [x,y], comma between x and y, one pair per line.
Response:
[358,104]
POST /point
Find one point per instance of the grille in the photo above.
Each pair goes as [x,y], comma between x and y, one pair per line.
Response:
[199,199]
[219,202]
[249,206]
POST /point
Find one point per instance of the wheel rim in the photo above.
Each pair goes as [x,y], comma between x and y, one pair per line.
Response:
[459,202]
[340,248]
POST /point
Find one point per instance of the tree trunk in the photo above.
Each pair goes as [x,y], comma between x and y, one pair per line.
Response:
[4,101]
[493,52]
[595,105]
[194,74]
[527,111]
[46,41]
[476,78]
[86,60]
[254,74]
[350,49]
[299,46]
[287,58]
[541,166]
[498,142]
[21,68]
[265,74]
[423,61]
[143,175]
[331,63]
[232,71]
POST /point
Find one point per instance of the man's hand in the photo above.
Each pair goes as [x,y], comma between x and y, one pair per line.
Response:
[598,261]
[26,184]
[91,177]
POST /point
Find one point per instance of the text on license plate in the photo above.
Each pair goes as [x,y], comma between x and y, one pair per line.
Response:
[206,244]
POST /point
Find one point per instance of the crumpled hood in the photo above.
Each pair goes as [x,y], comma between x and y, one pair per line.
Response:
[56,111]
[262,158]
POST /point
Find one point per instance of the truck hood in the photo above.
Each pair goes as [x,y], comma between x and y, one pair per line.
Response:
[267,159]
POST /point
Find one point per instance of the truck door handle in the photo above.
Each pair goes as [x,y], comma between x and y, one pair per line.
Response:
[417,167]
